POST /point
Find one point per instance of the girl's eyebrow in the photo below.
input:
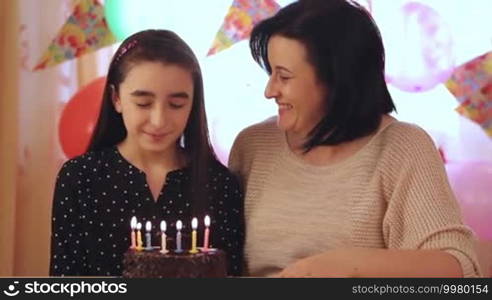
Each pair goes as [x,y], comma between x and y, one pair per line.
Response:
[142,93]
[180,95]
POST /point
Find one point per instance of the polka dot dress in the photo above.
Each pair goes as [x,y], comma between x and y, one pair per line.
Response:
[96,195]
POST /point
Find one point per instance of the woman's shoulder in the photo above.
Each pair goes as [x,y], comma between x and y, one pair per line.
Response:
[262,135]
[404,140]
[263,130]
[405,134]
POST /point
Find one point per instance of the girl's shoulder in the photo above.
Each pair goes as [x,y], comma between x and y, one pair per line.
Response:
[88,161]
[216,167]
[219,172]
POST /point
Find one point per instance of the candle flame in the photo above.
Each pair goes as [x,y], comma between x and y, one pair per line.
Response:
[139,226]
[163,226]
[133,223]
[148,226]
[179,225]
[194,223]
[207,221]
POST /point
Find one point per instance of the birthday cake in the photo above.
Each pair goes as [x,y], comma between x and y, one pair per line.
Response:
[175,258]
[154,264]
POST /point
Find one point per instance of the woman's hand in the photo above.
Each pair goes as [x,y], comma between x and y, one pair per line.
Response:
[370,262]
[335,263]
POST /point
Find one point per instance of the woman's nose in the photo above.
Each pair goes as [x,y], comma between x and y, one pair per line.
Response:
[271,89]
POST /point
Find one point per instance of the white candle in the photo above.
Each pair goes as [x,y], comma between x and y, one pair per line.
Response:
[163,237]
[148,228]
[139,237]
[133,226]
[207,233]
[179,225]
[194,225]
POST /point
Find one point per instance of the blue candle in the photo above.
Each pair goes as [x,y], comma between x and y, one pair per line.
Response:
[179,225]
[148,227]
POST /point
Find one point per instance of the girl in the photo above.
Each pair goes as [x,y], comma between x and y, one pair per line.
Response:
[149,157]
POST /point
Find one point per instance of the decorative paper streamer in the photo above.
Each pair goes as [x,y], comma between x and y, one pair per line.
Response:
[242,16]
[85,31]
[471,84]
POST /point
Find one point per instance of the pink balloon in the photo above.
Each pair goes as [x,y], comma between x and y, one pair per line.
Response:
[472,185]
[420,55]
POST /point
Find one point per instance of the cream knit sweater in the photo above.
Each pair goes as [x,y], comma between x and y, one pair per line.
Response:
[392,193]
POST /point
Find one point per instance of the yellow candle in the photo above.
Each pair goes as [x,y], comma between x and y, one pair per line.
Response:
[139,237]
[194,225]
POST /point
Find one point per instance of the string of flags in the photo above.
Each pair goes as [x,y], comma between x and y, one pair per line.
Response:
[471,84]
[86,30]
[242,16]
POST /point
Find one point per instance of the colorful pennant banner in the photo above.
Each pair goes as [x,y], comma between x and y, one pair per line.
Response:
[471,84]
[85,31]
[242,16]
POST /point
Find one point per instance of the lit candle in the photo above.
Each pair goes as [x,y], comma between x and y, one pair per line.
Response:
[139,237]
[133,226]
[148,228]
[163,237]
[207,233]
[194,225]
[179,225]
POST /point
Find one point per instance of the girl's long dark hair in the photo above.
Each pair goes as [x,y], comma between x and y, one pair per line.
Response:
[166,47]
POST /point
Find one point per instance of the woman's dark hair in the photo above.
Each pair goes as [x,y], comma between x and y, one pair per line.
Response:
[345,47]
[168,48]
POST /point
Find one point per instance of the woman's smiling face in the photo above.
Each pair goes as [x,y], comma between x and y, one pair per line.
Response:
[294,85]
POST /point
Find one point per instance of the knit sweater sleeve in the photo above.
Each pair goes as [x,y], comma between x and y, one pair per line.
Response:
[237,155]
[253,139]
[422,211]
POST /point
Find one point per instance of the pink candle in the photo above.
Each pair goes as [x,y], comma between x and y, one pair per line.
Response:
[207,232]
[139,237]
[133,226]
[163,237]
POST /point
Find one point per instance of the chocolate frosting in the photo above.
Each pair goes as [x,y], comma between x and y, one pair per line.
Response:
[153,264]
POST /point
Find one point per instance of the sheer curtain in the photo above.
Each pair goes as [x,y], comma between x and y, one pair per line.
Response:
[8,131]
[31,106]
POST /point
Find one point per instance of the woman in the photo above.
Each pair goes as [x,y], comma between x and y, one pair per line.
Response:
[334,186]
[149,157]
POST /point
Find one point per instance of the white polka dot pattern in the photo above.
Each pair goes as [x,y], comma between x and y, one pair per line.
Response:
[96,195]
